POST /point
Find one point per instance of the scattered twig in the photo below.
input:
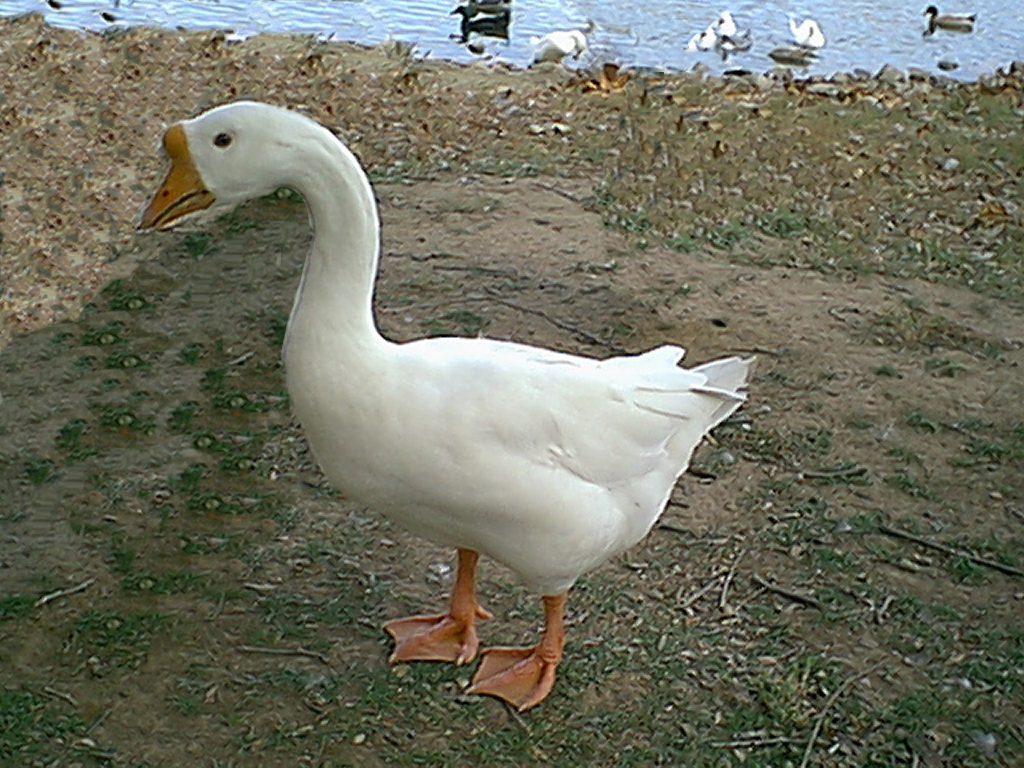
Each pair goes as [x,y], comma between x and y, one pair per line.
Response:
[582,334]
[101,719]
[906,535]
[672,527]
[476,269]
[794,596]
[724,597]
[820,720]
[219,608]
[882,610]
[62,695]
[693,597]
[65,592]
[558,191]
[244,358]
[751,743]
[703,474]
[760,351]
[831,474]
[286,652]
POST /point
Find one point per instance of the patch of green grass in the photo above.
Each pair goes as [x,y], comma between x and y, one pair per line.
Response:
[782,222]
[921,421]
[236,401]
[886,370]
[182,416]
[911,486]
[123,358]
[235,223]
[85,363]
[214,378]
[1010,449]
[70,436]
[120,297]
[119,638]
[169,583]
[904,454]
[683,243]
[64,339]
[106,335]
[944,367]
[727,235]
[192,352]
[198,244]
[15,606]
[457,322]
[32,726]
[38,469]
[778,445]
[125,420]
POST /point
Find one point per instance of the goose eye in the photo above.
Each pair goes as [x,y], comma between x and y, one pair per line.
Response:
[222,140]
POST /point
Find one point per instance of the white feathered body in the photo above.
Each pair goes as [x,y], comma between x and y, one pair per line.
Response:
[555,46]
[546,462]
[807,33]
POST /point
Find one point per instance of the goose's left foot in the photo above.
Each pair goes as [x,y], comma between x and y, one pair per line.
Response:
[450,636]
[525,676]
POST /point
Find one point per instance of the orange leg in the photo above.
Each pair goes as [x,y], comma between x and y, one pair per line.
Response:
[449,636]
[525,676]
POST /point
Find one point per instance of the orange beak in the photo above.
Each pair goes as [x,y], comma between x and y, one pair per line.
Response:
[182,191]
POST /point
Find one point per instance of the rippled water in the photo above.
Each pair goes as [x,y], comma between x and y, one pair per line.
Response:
[861,33]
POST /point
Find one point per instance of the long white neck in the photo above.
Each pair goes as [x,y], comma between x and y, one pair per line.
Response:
[334,303]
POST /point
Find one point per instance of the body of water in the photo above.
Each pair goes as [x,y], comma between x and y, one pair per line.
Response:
[861,34]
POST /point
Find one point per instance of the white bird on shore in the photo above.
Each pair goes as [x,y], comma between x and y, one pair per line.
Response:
[555,46]
[547,462]
[952,22]
[807,33]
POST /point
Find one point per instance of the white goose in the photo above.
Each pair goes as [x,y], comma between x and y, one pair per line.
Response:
[547,462]
[807,33]
[555,46]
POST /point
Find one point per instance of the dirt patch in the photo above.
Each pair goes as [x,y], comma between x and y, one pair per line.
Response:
[178,585]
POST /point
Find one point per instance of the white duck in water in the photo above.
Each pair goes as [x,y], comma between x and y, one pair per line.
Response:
[807,33]
[547,462]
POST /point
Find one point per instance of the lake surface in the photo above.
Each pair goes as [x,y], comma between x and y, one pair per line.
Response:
[861,33]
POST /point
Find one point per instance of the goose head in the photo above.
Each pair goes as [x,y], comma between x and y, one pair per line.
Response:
[221,159]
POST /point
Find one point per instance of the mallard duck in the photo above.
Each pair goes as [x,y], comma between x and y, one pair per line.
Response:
[726,44]
[491,7]
[555,46]
[952,22]
[488,25]
[807,33]
[792,55]
[547,462]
